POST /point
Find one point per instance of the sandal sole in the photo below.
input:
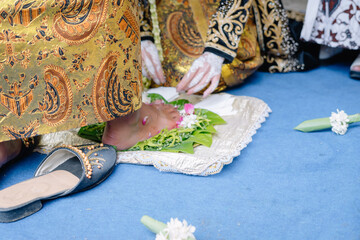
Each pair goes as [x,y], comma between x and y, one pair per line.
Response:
[24,198]
[20,213]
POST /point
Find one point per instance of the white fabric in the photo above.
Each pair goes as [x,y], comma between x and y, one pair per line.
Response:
[334,25]
[52,140]
[310,15]
[169,93]
[221,104]
[243,115]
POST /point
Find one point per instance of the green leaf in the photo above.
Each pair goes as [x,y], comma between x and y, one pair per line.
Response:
[92,132]
[154,96]
[185,146]
[213,117]
[201,138]
[314,125]
[354,118]
[179,103]
[322,123]
[208,129]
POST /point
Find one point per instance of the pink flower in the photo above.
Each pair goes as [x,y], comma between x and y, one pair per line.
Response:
[189,108]
[178,123]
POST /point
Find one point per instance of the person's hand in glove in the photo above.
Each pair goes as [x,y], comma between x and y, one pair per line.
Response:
[151,62]
[204,70]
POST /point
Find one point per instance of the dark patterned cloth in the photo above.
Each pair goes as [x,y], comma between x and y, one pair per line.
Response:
[66,64]
[226,27]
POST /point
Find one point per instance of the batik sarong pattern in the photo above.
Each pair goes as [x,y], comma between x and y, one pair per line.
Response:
[66,64]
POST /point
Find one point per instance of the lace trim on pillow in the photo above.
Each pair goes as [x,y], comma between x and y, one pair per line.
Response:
[217,167]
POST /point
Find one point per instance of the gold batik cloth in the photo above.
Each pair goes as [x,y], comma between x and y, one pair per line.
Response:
[66,64]
[183,27]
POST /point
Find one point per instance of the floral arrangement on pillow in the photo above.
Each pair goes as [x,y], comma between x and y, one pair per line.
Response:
[196,127]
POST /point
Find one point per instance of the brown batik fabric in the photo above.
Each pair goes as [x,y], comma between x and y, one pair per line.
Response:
[185,35]
[67,63]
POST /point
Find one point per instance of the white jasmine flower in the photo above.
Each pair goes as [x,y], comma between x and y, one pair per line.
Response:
[340,116]
[339,122]
[161,236]
[176,230]
[339,129]
[188,120]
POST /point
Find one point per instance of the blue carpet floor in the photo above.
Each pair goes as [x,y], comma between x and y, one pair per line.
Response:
[284,185]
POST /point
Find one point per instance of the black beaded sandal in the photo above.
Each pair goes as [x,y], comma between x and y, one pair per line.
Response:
[64,171]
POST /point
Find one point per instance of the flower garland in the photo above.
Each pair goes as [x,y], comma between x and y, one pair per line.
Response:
[156,28]
[157,39]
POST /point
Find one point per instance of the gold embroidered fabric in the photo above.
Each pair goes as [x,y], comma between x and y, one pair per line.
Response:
[66,64]
[278,47]
[183,25]
[227,26]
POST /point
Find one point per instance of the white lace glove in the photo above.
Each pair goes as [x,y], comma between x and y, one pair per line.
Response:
[205,69]
[151,62]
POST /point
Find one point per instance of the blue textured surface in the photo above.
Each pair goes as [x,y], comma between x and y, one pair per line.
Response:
[284,185]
